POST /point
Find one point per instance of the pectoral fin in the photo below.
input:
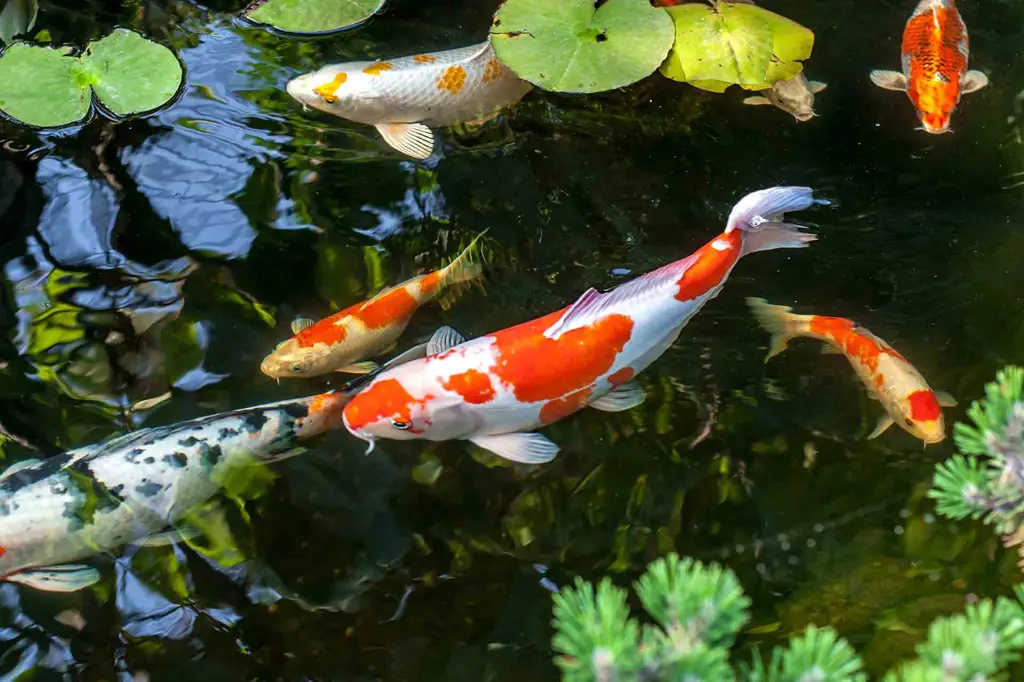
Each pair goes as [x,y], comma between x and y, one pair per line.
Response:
[945,399]
[620,398]
[829,349]
[300,323]
[415,353]
[364,367]
[816,86]
[890,80]
[170,537]
[18,466]
[443,339]
[972,82]
[525,448]
[884,422]
[64,578]
[757,100]
[412,139]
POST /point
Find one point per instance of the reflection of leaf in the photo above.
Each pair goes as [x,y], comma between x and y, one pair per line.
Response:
[313,16]
[740,44]
[568,46]
[18,17]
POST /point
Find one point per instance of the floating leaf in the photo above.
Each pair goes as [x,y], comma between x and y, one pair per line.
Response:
[18,17]
[131,74]
[312,16]
[735,44]
[48,87]
[568,46]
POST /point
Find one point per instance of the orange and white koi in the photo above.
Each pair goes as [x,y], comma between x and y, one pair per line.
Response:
[343,341]
[935,76]
[495,389]
[402,97]
[888,376]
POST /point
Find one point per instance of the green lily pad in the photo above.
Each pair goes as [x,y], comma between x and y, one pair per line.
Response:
[312,16]
[131,74]
[48,87]
[735,44]
[17,17]
[568,46]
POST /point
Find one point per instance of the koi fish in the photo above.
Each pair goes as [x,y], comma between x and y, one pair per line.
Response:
[888,376]
[495,390]
[342,341]
[402,97]
[935,50]
[794,96]
[60,510]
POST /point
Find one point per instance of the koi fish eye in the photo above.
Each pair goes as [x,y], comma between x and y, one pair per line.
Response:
[908,421]
[400,425]
[298,367]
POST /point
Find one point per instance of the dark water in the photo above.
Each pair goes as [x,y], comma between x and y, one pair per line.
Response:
[170,253]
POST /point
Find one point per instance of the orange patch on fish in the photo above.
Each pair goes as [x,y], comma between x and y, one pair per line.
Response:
[377,68]
[329,91]
[327,406]
[554,410]
[924,406]
[621,376]
[2,551]
[395,305]
[385,399]
[325,331]
[932,43]
[540,368]
[424,58]
[493,71]
[429,283]
[879,380]
[474,386]
[857,346]
[453,80]
[711,266]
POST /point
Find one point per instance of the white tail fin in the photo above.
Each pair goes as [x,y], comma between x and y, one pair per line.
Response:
[462,269]
[760,214]
[780,322]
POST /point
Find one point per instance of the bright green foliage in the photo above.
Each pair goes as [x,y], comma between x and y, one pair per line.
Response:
[699,609]
[48,87]
[17,18]
[568,46]
[735,44]
[312,16]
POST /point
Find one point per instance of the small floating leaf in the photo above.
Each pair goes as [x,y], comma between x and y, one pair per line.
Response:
[312,16]
[735,44]
[18,17]
[42,86]
[568,46]
[131,74]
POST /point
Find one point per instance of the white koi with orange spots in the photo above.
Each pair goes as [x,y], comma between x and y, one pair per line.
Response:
[402,97]
[495,389]
[888,376]
[343,341]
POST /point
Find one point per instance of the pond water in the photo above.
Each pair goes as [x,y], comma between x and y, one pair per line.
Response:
[170,253]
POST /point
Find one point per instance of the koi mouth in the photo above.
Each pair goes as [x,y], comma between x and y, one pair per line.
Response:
[362,435]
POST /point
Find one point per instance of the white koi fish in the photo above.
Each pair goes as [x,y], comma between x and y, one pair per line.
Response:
[495,389]
[402,97]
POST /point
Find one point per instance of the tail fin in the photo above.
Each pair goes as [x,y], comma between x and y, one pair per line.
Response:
[463,269]
[760,214]
[780,322]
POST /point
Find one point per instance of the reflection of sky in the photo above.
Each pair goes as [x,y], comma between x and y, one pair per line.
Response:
[78,218]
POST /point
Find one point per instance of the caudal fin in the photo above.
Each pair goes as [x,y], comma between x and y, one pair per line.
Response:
[780,322]
[463,268]
[761,216]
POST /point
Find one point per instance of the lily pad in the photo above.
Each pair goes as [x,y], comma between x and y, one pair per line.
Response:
[735,44]
[49,87]
[17,17]
[568,46]
[312,16]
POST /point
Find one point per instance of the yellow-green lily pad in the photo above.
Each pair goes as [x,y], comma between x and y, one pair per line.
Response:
[569,46]
[312,16]
[130,74]
[734,44]
[43,86]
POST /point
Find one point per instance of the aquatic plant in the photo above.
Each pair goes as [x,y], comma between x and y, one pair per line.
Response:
[49,86]
[986,481]
[16,18]
[312,16]
[698,611]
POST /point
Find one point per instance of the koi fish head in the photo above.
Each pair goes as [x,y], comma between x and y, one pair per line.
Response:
[344,90]
[922,417]
[796,96]
[293,361]
[935,102]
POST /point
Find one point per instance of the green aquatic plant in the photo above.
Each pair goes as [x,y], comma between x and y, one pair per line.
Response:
[50,87]
[573,46]
[986,481]
[697,611]
[312,16]
[734,44]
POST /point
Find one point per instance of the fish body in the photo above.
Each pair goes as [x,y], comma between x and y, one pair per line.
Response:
[98,497]
[495,389]
[934,55]
[888,376]
[794,96]
[402,97]
[343,341]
